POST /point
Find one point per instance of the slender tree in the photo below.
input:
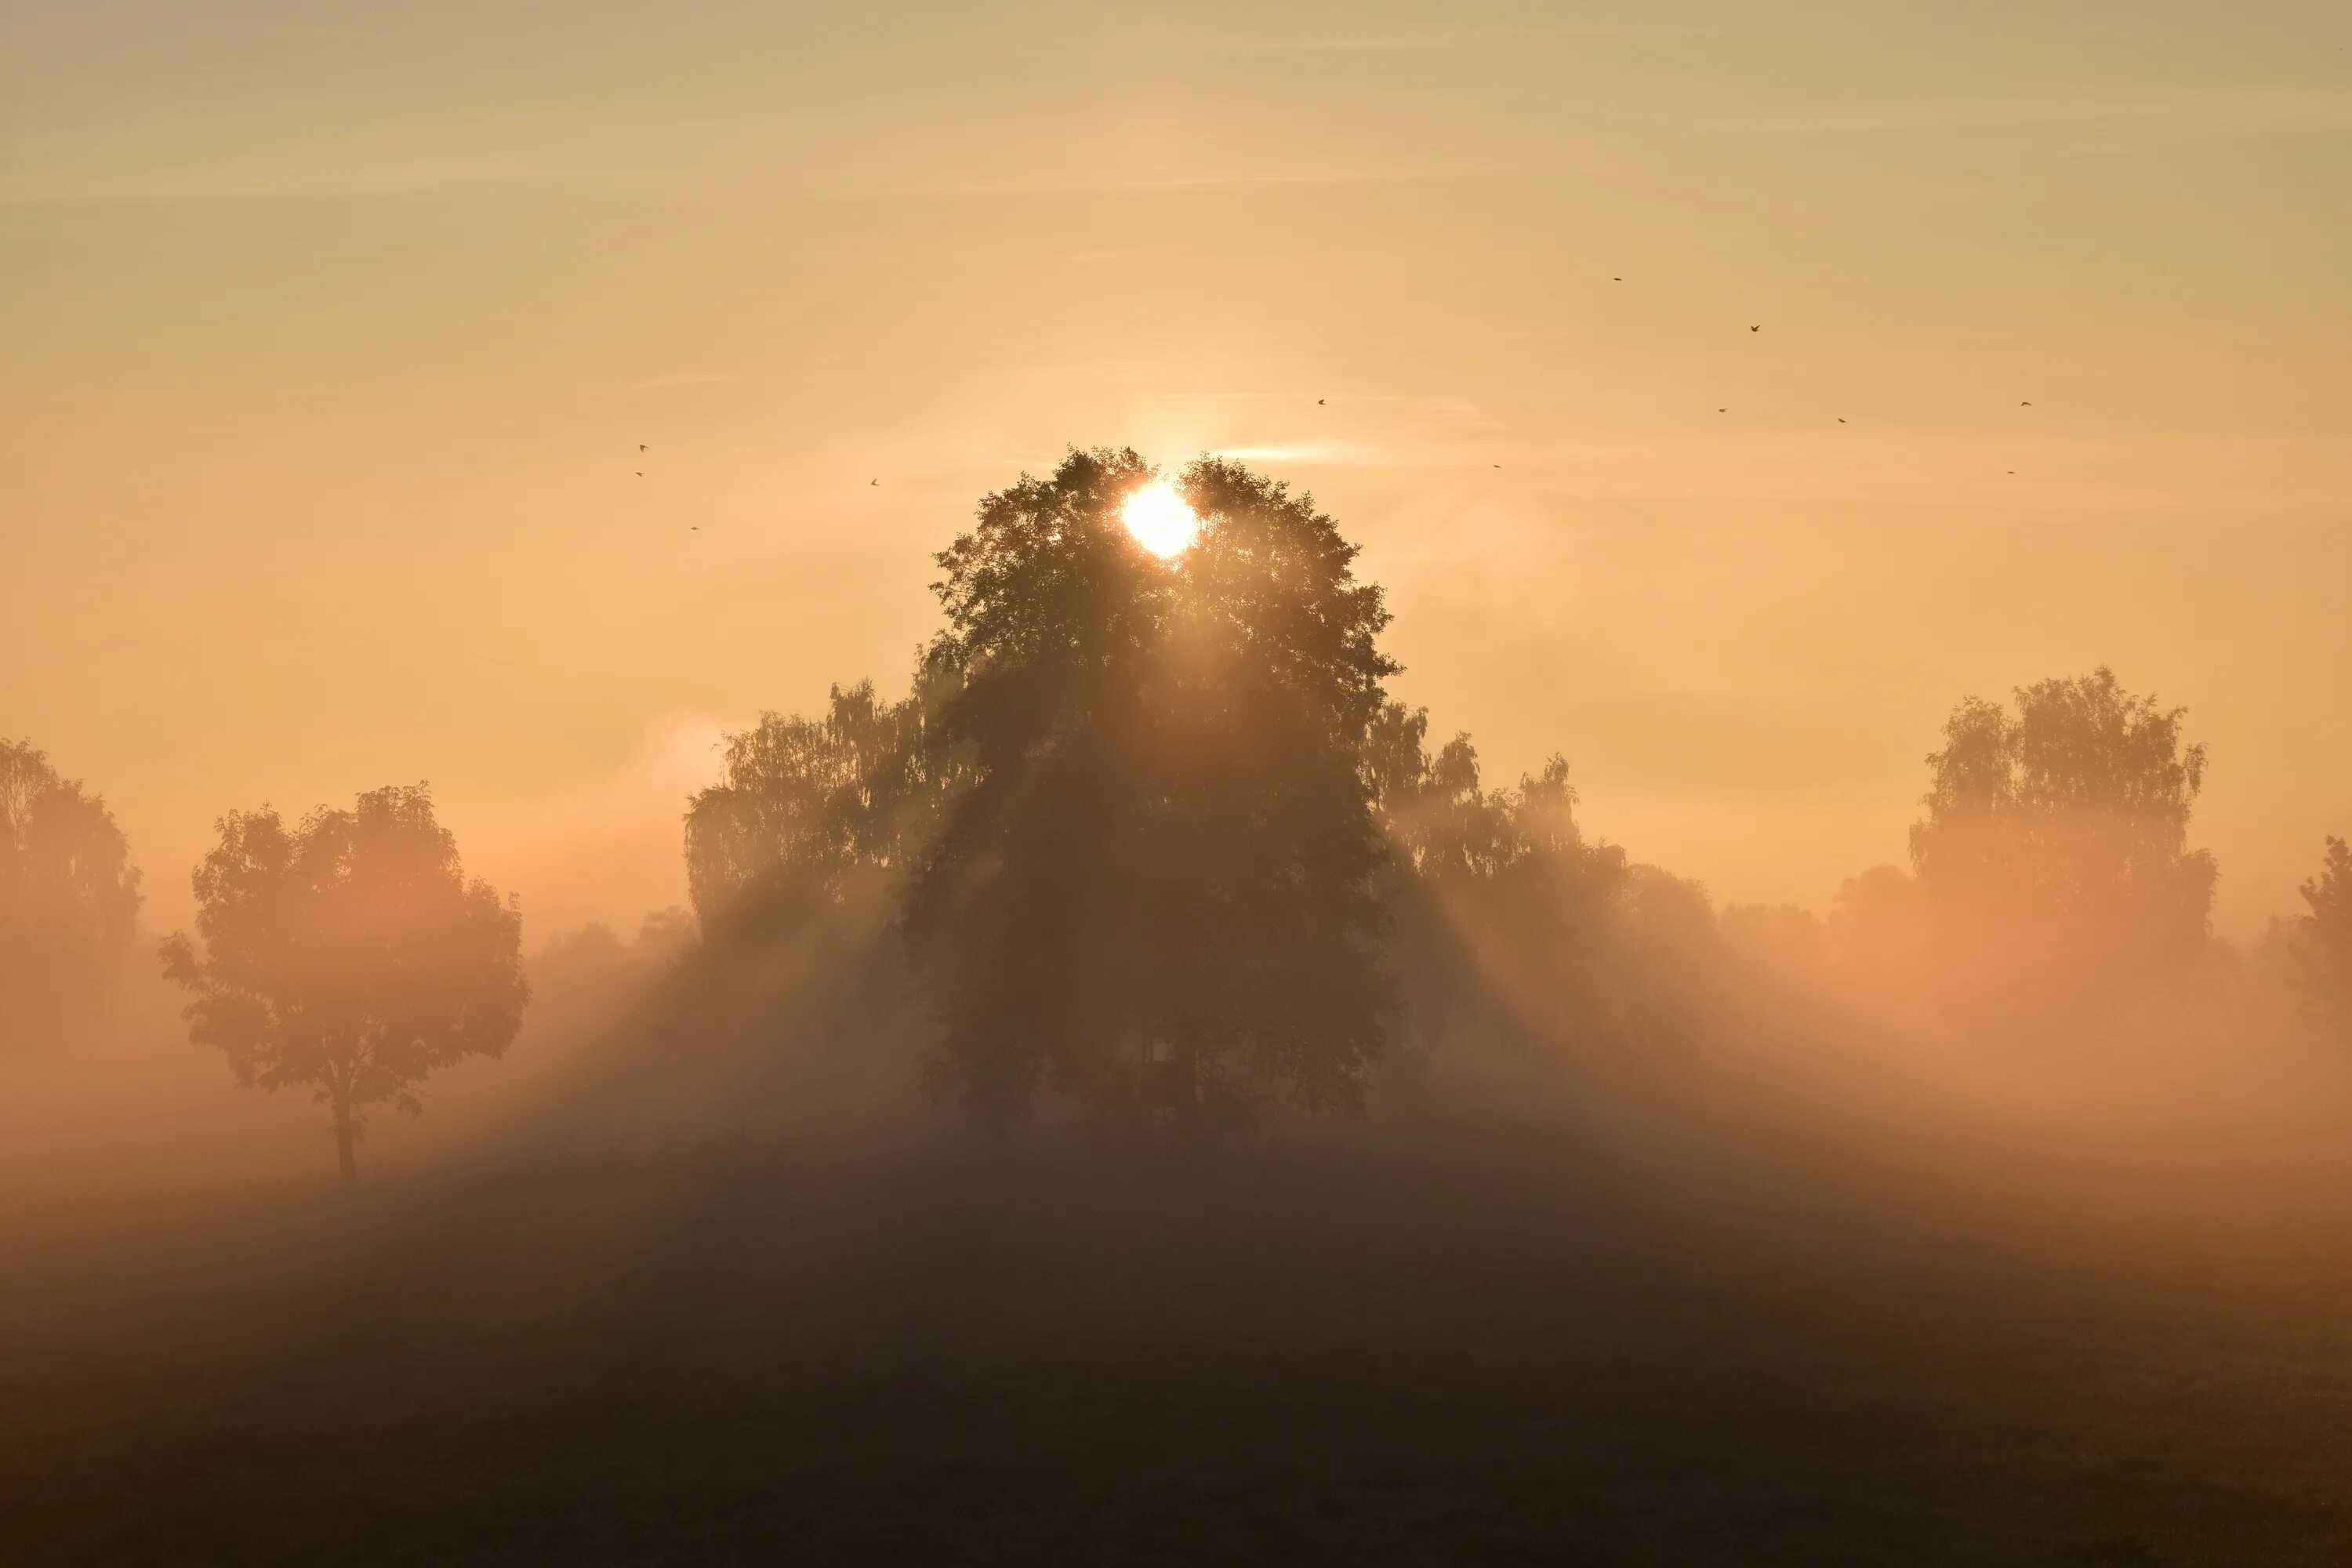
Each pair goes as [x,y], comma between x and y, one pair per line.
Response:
[348,955]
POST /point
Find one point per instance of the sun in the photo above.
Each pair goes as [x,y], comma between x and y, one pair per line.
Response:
[1160,520]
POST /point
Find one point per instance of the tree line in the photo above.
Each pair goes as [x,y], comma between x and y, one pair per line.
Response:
[1151,839]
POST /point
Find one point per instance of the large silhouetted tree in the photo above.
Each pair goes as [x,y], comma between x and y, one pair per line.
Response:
[2054,851]
[348,955]
[69,897]
[1158,891]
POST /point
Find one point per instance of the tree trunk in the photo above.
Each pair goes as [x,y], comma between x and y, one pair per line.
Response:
[347,1140]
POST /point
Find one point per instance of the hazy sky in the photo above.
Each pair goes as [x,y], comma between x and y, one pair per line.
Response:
[328,334]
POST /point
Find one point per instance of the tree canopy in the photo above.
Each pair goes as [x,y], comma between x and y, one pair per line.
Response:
[68,895]
[1511,925]
[1159,889]
[348,954]
[810,807]
[2055,849]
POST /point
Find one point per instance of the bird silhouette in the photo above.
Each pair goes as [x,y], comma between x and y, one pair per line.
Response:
[1319,403]
[1723,411]
[640,473]
[641,446]
[1757,327]
[1841,419]
[1616,279]
[1499,465]
[874,481]
[2024,403]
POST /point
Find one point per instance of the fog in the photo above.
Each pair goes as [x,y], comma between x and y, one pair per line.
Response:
[1144,1083]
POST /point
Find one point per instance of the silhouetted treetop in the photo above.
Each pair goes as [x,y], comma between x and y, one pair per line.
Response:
[1049,593]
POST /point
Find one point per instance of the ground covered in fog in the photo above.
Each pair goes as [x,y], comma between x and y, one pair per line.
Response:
[1443,1337]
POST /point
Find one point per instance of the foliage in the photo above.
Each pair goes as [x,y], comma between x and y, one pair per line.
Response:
[1159,892]
[68,895]
[807,807]
[1511,926]
[348,955]
[2054,854]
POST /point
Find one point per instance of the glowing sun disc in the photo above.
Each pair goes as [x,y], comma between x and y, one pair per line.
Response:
[1160,520]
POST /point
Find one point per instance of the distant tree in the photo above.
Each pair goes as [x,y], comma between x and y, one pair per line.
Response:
[1511,926]
[810,809]
[797,859]
[1555,920]
[2054,850]
[1160,890]
[1673,956]
[348,955]
[1881,933]
[1444,824]
[2321,945]
[1776,946]
[68,895]
[1448,839]
[588,959]
[1881,906]
[666,936]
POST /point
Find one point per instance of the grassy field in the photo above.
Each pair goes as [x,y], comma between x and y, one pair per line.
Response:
[1483,1341]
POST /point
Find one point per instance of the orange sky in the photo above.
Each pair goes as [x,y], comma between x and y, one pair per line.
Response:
[326,343]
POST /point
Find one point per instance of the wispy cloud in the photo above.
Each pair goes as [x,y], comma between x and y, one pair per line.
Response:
[1459,409]
[1474,37]
[674,381]
[367,158]
[1153,182]
[230,185]
[317,174]
[2241,111]
[1350,454]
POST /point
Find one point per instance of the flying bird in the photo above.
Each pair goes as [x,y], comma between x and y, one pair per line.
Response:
[2024,402]
[1757,327]
[1841,418]
[640,473]
[641,446]
[874,481]
[1319,403]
